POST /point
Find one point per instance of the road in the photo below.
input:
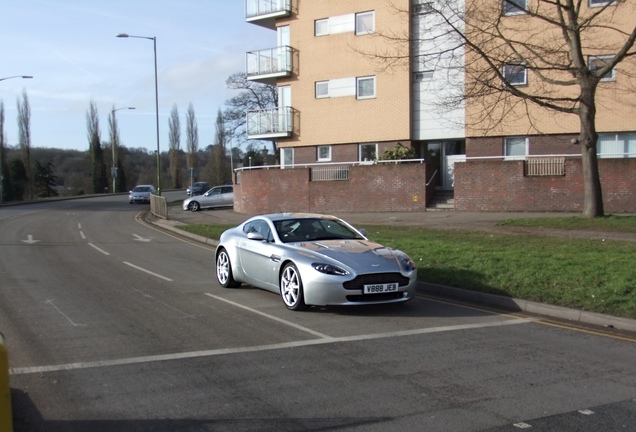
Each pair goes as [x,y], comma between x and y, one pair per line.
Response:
[114,326]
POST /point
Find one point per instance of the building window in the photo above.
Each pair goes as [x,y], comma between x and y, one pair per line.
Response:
[365,87]
[515,74]
[322,89]
[423,8]
[365,23]
[597,3]
[516,147]
[514,7]
[597,62]
[321,27]
[616,145]
[287,157]
[368,152]
[324,153]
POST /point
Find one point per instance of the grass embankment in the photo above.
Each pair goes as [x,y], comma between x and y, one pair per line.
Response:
[592,275]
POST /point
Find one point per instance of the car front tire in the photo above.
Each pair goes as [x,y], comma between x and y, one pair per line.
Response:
[224,270]
[291,288]
[194,206]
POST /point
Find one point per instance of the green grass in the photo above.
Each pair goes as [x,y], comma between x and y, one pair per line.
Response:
[591,275]
[578,223]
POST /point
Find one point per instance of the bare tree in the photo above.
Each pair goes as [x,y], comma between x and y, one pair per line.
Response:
[192,138]
[218,169]
[174,138]
[5,183]
[100,179]
[252,96]
[24,127]
[551,42]
[113,133]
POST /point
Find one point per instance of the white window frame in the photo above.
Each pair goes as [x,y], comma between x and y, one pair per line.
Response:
[616,145]
[514,7]
[286,157]
[360,28]
[507,75]
[375,151]
[509,140]
[326,154]
[610,76]
[600,3]
[321,27]
[322,89]
[359,81]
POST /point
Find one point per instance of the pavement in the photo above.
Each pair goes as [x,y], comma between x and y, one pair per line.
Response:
[479,221]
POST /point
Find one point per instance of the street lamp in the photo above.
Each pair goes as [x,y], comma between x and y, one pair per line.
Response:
[113,170]
[154,42]
[2,147]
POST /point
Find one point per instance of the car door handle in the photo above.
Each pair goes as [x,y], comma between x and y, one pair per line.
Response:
[274,258]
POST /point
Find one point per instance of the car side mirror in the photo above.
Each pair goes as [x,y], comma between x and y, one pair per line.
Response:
[255,236]
[363,232]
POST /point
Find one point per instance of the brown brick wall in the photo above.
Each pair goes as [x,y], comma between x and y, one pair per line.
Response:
[373,188]
[539,145]
[500,186]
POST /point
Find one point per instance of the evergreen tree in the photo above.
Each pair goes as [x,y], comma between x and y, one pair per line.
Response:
[45,180]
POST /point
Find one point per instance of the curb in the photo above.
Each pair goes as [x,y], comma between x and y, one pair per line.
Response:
[503,302]
[6,422]
[515,304]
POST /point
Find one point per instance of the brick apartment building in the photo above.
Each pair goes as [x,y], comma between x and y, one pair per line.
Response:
[355,78]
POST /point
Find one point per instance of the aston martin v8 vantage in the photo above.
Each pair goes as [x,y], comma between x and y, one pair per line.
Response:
[313,260]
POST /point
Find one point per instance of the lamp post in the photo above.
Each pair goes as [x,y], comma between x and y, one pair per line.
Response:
[113,169]
[154,42]
[2,146]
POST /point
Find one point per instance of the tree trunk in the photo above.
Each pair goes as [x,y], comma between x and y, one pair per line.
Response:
[593,195]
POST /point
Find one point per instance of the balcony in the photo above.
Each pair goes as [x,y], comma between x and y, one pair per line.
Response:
[270,123]
[267,65]
[265,12]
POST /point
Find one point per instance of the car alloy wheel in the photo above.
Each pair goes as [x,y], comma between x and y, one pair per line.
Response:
[194,206]
[224,270]
[291,288]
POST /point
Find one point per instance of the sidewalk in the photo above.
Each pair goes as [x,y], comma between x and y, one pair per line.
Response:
[437,220]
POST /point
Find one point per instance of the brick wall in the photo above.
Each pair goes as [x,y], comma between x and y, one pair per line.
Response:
[370,188]
[495,185]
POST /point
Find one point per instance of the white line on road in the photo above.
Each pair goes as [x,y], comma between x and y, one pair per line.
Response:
[226,351]
[291,324]
[148,271]
[82,234]
[96,248]
[74,324]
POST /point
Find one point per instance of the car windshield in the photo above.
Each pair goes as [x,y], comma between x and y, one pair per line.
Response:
[311,229]
[141,189]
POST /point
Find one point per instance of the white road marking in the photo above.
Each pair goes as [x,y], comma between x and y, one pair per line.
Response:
[82,234]
[586,412]
[148,271]
[98,249]
[79,226]
[140,238]
[50,302]
[291,324]
[30,240]
[522,425]
[258,348]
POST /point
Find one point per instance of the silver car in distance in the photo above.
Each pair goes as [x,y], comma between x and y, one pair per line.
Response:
[313,260]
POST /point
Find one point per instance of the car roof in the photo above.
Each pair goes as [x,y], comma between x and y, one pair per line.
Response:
[284,216]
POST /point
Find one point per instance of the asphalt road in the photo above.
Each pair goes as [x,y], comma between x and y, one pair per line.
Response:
[112,326]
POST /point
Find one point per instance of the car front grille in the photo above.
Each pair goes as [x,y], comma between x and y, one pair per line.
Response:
[375,278]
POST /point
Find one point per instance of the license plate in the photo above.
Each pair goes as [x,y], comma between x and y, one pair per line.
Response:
[380,288]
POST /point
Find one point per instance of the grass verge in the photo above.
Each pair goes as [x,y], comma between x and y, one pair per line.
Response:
[591,275]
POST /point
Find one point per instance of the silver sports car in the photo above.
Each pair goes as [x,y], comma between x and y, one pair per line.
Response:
[313,259]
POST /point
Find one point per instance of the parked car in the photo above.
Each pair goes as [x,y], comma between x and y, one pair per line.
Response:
[312,259]
[141,194]
[197,188]
[218,196]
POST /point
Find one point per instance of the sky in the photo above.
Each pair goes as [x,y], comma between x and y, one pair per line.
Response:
[71,50]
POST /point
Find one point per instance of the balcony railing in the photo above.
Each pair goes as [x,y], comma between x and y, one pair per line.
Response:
[270,123]
[269,63]
[263,12]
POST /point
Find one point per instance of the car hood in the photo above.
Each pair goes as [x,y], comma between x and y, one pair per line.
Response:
[359,255]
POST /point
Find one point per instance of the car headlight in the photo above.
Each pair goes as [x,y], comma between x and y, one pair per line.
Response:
[329,269]
[406,263]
